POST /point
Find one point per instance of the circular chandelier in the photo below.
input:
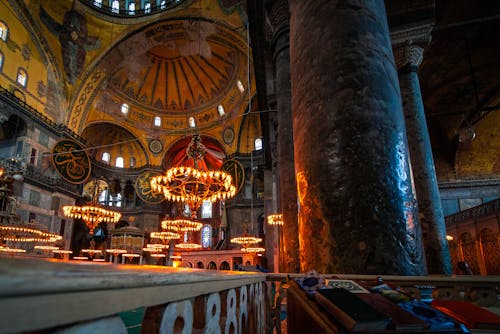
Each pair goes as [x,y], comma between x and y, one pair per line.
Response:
[181,225]
[187,245]
[192,185]
[26,234]
[275,219]
[165,236]
[246,241]
[253,250]
[92,214]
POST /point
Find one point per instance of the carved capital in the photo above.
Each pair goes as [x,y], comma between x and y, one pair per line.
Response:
[408,55]
[278,13]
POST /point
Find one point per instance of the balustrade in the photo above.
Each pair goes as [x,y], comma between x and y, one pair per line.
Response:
[92,297]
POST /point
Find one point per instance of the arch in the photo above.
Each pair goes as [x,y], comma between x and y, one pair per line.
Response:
[13,128]
[200,265]
[213,158]
[212,266]
[117,141]
[189,265]
[224,265]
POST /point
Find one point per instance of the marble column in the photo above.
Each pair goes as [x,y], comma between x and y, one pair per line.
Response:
[289,247]
[408,58]
[357,207]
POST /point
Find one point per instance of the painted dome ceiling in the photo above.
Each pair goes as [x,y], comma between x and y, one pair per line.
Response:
[175,69]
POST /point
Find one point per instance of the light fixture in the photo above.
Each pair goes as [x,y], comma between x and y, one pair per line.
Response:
[275,219]
[193,185]
[180,225]
[188,245]
[253,250]
[245,241]
[92,214]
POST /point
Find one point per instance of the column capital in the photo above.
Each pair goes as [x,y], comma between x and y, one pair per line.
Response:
[278,12]
[408,56]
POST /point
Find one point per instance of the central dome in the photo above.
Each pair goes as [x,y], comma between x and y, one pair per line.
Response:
[175,66]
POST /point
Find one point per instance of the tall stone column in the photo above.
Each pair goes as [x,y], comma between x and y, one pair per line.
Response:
[357,209]
[289,252]
[408,58]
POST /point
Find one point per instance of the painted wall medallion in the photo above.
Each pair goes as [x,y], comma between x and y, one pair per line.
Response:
[71,161]
[237,172]
[228,135]
[155,146]
[143,188]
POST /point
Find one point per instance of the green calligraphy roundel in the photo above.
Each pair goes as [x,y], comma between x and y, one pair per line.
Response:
[71,161]
[143,188]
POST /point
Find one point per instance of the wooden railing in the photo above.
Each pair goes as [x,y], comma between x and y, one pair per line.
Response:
[90,298]
[41,295]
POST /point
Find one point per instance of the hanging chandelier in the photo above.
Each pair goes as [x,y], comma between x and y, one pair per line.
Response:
[193,185]
[181,225]
[253,250]
[92,214]
[245,241]
[275,219]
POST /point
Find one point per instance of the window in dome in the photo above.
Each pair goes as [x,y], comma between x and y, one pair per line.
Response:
[163,4]
[157,121]
[106,157]
[241,88]
[206,210]
[4,30]
[258,144]
[119,162]
[147,7]
[22,77]
[132,162]
[98,3]
[220,110]
[131,8]
[192,123]
[115,6]
[206,236]
[125,108]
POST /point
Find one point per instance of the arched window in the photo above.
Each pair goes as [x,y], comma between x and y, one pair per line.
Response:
[220,110]
[147,7]
[163,4]
[22,77]
[258,144]
[131,8]
[4,30]
[206,210]
[206,236]
[132,162]
[115,6]
[119,162]
[103,197]
[192,122]
[106,157]
[240,86]
[157,121]
[125,108]
[98,3]
[187,210]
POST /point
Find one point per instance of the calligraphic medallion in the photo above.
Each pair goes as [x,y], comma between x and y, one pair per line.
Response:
[237,172]
[71,161]
[143,188]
